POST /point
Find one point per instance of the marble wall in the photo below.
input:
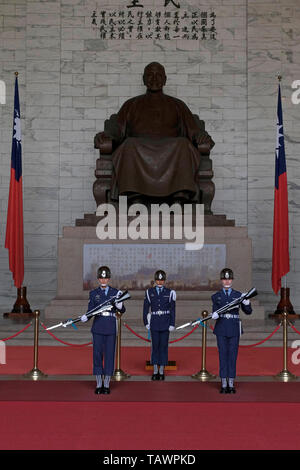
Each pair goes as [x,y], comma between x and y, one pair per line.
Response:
[272,49]
[71,80]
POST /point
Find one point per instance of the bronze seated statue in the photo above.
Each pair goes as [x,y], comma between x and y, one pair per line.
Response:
[154,150]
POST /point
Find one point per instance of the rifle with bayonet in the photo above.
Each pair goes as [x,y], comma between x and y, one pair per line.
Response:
[106,306]
[230,306]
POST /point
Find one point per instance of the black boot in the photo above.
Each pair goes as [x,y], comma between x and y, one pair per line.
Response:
[224,386]
[155,377]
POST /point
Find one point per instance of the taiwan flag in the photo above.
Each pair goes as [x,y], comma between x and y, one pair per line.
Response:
[280,259]
[14,240]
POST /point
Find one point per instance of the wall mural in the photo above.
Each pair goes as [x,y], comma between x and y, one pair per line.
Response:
[133,265]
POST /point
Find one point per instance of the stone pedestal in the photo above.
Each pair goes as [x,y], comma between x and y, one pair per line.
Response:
[71,299]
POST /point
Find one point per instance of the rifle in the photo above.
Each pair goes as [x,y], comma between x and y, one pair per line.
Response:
[233,304]
[106,306]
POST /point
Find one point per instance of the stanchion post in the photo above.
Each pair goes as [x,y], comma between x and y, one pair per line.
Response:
[285,375]
[119,374]
[35,373]
[203,374]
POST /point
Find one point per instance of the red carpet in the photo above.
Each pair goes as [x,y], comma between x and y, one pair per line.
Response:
[58,360]
[67,415]
[133,391]
[133,426]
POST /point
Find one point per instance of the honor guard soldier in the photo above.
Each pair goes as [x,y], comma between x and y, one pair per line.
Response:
[104,331]
[159,318]
[228,329]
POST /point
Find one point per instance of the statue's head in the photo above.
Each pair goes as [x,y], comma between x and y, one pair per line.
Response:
[154,76]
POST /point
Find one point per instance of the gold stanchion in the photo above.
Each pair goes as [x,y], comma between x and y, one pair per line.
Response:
[35,373]
[285,375]
[119,373]
[203,374]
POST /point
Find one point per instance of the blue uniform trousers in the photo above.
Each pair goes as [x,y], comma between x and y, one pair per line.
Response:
[160,343]
[228,350]
[104,354]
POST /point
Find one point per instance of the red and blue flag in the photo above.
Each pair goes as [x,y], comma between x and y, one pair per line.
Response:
[280,258]
[14,240]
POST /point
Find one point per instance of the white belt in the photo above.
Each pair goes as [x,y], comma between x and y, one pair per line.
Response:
[161,312]
[107,314]
[229,315]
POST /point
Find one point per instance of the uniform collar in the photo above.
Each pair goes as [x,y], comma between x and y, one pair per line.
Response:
[104,290]
[228,290]
[159,288]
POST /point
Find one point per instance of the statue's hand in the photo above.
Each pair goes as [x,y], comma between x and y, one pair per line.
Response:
[100,139]
[204,143]
[203,139]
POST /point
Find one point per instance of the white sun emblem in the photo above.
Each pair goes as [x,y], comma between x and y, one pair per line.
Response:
[279,128]
[17,128]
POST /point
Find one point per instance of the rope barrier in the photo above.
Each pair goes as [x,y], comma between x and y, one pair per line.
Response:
[179,339]
[295,329]
[64,342]
[260,342]
[18,333]
[182,337]
[141,337]
[149,341]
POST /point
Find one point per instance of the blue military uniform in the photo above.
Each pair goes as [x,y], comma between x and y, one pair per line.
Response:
[104,331]
[159,305]
[228,330]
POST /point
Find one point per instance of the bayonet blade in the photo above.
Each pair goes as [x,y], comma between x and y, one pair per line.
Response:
[183,326]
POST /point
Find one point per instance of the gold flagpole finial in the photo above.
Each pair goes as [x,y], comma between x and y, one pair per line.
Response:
[279,78]
[16,74]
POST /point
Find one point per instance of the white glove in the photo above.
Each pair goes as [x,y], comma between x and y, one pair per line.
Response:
[246,302]
[119,305]
[84,318]
[171,328]
[148,326]
[215,316]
